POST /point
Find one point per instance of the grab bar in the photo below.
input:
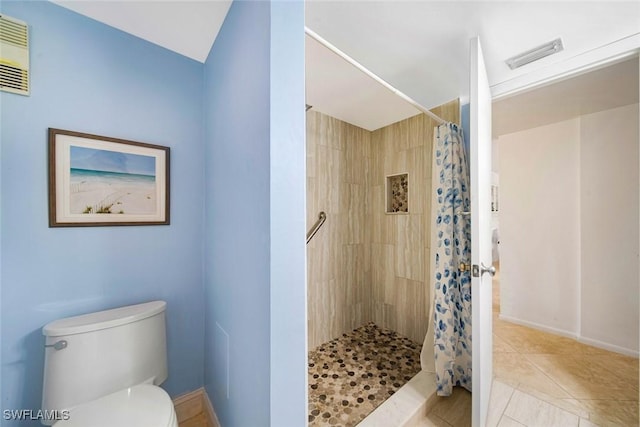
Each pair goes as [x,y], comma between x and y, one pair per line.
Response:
[322,217]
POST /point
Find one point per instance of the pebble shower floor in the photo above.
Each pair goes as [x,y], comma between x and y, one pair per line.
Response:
[352,375]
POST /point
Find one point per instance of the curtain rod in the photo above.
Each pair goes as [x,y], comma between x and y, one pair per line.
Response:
[359,66]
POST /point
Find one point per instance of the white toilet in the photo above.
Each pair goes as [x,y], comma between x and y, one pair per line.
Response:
[103,369]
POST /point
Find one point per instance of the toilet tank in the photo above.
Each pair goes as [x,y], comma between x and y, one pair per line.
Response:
[90,356]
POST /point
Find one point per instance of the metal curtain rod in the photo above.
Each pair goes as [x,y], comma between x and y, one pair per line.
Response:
[361,67]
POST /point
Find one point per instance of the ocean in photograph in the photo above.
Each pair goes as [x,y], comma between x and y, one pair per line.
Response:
[101,192]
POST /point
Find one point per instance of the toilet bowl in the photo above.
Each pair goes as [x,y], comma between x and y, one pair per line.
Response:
[143,405]
[103,369]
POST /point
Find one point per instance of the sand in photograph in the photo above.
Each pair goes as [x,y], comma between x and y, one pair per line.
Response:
[94,192]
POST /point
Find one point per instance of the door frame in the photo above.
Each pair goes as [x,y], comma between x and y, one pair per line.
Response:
[603,56]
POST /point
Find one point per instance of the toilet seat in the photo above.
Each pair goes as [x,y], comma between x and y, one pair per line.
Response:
[144,405]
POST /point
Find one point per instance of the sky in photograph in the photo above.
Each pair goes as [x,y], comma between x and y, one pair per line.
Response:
[111,161]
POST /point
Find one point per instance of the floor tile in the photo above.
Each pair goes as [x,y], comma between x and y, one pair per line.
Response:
[583,377]
[501,346]
[570,405]
[587,423]
[533,412]
[529,340]
[599,386]
[506,421]
[623,367]
[516,370]
[454,409]
[432,420]
[612,412]
[500,395]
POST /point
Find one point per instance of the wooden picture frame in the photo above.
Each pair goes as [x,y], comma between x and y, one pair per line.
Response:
[102,181]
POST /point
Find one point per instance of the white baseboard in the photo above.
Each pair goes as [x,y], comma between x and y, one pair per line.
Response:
[539,326]
[610,347]
[582,339]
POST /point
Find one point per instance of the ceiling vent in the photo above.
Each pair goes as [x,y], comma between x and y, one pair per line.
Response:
[534,54]
[14,55]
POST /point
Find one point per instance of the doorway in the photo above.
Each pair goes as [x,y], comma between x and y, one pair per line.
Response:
[554,148]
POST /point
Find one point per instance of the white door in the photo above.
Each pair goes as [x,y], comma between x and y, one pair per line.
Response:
[480,133]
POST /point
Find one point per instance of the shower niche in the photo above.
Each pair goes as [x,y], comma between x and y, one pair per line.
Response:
[397,191]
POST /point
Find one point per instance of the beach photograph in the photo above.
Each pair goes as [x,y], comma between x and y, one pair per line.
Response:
[111,182]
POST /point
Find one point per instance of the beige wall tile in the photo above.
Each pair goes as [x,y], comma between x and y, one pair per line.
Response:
[409,254]
[311,158]
[360,255]
[399,134]
[404,147]
[449,111]
[377,159]
[338,256]
[357,151]
[395,163]
[417,131]
[410,302]
[389,316]
[352,268]
[388,277]
[354,196]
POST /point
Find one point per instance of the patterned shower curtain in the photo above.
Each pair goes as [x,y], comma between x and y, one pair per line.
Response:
[451,243]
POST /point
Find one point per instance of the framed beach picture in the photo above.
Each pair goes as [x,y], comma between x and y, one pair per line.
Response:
[99,181]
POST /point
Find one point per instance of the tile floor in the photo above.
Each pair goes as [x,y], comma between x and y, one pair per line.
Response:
[546,380]
[352,375]
[541,380]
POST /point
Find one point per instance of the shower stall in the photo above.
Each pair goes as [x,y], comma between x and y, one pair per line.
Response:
[368,265]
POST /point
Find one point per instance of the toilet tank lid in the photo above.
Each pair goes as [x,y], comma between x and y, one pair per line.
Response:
[103,319]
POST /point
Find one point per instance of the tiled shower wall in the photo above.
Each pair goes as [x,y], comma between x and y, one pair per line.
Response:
[338,257]
[364,264]
[400,241]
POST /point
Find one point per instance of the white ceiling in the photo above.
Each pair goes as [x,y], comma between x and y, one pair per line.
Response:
[603,89]
[186,27]
[420,47]
[351,96]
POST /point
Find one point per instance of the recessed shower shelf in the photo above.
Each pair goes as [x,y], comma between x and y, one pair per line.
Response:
[397,194]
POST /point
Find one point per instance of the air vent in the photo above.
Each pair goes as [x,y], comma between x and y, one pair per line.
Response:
[14,55]
[534,54]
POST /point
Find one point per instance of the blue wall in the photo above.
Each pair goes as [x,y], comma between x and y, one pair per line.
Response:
[91,78]
[255,352]
[237,217]
[288,217]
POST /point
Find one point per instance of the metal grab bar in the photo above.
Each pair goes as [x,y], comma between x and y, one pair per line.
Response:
[322,217]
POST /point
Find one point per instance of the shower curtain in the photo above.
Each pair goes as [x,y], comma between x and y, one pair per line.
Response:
[447,346]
